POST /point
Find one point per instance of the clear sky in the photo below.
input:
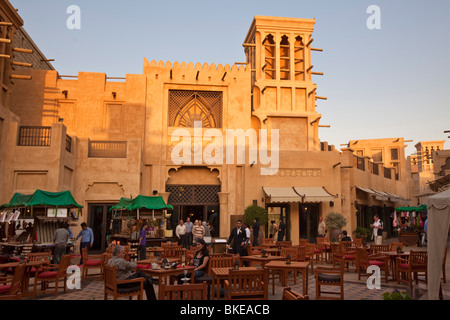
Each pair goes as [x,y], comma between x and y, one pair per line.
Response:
[380,83]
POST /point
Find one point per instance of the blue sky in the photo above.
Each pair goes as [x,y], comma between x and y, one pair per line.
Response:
[392,82]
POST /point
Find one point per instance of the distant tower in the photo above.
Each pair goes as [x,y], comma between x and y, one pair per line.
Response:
[278,51]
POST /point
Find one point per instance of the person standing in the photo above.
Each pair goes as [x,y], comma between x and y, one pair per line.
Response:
[189,225]
[180,232]
[60,239]
[238,237]
[273,229]
[143,242]
[321,229]
[198,230]
[87,238]
[124,271]
[281,230]
[255,232]
[207,229]
[377,229]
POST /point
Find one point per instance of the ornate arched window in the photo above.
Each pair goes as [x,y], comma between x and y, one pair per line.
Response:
[186,107]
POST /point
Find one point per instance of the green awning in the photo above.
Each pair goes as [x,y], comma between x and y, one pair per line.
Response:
[409,209]
[19,200]
[43,198]
[142,202]
[122,205]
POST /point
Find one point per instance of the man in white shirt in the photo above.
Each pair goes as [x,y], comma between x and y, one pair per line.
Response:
[377,229]
[180,232]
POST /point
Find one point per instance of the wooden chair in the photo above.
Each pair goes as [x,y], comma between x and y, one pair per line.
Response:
[251,250]
[417,263]
[122,288]
[173,253]
[289,294]
[91,261]
[168,244]
[247,285]
[364,260]
[358,242]
[196,291]
[284,243]
[339,255]
[325,248]
[267,241]
[13,290]
[379,248]
[315,251]
[49,274]
[393,246]
[330,277]
[215,262]
[44,257]
[304,255]
[302,242]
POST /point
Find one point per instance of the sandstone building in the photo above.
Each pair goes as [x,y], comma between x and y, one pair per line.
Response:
[105,138]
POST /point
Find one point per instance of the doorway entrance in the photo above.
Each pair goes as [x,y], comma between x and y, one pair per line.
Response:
[199,202]
[309,221]
[193,212]
[277,211]
[99,220]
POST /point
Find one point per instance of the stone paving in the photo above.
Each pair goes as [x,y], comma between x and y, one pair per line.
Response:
[354,289]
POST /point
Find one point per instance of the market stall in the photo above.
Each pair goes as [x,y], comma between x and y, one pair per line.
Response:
[132,213]
[409,222]
[37,215]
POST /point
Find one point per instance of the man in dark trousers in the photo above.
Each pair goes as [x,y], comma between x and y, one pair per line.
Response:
[255,232]
[238,237]
[281,230]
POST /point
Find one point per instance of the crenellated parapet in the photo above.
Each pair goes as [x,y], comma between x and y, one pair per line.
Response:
[195,72]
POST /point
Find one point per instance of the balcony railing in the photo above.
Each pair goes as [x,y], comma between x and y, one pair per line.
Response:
[107,149]
[35,136]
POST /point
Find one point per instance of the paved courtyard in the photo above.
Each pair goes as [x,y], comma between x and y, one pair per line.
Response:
[354,289]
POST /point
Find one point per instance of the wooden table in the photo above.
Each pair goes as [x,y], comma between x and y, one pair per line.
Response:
[219,274]
[164,274]
[284,268]
[273,251]
[258,259]
[392,258]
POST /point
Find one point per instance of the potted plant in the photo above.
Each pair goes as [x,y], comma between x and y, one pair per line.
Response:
[361,232]
[335,222]
[254,211]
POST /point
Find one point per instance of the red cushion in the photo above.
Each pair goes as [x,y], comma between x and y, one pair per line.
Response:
[33,270]
[93,263]
[403,265]
[349,257]
[317,251]
[376,263]
[48,274]
[4,288]
[144,266]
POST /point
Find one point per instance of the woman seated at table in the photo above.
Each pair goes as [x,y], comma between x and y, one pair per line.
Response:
[199,260]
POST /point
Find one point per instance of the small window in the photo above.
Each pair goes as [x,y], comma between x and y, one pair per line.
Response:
[269,66]
[284,58]
[377,155]
[360,153]
[394,154]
